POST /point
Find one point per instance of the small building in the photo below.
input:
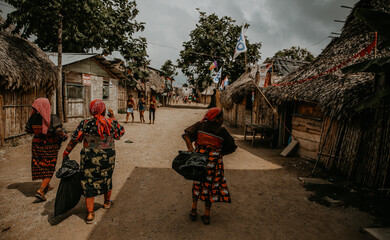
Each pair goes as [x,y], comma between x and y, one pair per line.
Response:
[328,113]
[242,102]
[88,77]
[26,73]
[205,96]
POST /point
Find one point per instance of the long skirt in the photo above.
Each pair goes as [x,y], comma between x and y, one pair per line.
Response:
[214,188]
[96,168]
[44,157]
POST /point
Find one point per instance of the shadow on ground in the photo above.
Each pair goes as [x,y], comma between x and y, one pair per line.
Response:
[28,189]
[80,211]
[154,204]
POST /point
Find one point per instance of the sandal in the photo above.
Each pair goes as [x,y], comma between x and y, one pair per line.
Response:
[193,215]
[90,217]
[108,204]
[205,220]
[40,196]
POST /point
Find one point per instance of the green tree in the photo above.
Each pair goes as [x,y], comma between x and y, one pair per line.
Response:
[296,53]
[77,26]
[168,69]
[214,39]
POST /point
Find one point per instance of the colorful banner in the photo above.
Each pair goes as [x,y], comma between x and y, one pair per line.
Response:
[213,65]
[263,69]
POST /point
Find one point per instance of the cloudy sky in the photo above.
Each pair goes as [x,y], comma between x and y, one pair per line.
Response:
[277,24]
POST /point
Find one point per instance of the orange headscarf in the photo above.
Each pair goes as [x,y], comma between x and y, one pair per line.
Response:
[97,108]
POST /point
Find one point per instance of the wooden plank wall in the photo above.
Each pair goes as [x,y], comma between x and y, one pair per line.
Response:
[308,133]
[15,117]
[359,148]
[262,113]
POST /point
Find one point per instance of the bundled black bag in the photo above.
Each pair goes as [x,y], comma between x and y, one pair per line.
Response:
[69,191]
[191,165]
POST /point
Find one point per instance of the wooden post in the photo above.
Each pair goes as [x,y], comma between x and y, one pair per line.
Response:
[65,100]
[322,147]
[246,68]
[59,73]
[376,43]
[2,121]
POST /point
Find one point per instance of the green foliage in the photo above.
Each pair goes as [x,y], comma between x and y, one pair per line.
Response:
[101,24]
[168,69]
[213,39]
[296,53]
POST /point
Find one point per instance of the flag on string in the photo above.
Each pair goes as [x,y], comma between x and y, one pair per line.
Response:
[241,46]
[217,77]
[213,65]
[226,82]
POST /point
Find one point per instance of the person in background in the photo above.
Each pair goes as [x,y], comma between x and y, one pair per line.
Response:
[130,108]
[214,140]
[141,108]
[152,109]
[48,136]
[97,157]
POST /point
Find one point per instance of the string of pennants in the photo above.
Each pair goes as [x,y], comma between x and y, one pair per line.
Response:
[362,53]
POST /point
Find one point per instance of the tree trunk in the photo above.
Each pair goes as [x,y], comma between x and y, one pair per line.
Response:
[59,99]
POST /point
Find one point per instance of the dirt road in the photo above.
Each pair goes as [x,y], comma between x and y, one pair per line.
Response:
[153,202]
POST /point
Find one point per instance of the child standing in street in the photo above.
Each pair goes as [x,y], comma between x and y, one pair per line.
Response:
[152,109]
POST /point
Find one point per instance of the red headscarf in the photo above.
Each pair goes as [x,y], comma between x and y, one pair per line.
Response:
[96,108]
[42,106]
[211,114]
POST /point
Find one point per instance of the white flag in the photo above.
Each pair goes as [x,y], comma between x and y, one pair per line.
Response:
[241,46]
[218,76]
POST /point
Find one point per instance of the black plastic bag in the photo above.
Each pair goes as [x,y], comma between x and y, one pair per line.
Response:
[191,165]
[69,191]
[68,168]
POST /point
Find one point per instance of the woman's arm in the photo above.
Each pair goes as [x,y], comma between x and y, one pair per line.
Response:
[188,142]
[72,143]
[76,137]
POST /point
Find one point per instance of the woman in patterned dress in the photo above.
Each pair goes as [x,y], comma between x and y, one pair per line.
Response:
[48,136]
[214,140]
[97,157]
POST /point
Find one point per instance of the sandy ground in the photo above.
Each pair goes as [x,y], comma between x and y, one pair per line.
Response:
[153,202]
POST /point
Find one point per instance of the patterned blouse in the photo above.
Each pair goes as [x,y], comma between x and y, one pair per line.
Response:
[87,131]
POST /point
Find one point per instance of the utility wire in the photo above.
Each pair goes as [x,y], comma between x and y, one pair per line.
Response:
[317,43]
[198,53]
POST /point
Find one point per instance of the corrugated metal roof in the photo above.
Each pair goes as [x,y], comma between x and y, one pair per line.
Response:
[69,58]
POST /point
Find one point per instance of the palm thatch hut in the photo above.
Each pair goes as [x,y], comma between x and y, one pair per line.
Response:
[26,73]
[327,117]
[155,84]
[242,102]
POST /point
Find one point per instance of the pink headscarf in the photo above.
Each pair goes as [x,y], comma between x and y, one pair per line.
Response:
[96,108]
[211,114]
[42,106]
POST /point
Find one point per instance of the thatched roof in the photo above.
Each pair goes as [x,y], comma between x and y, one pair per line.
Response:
[155,80]
[244,84]
[335,93]
[239,88]
[23,65]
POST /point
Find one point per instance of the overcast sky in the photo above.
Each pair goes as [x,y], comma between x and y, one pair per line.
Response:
[277,24]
